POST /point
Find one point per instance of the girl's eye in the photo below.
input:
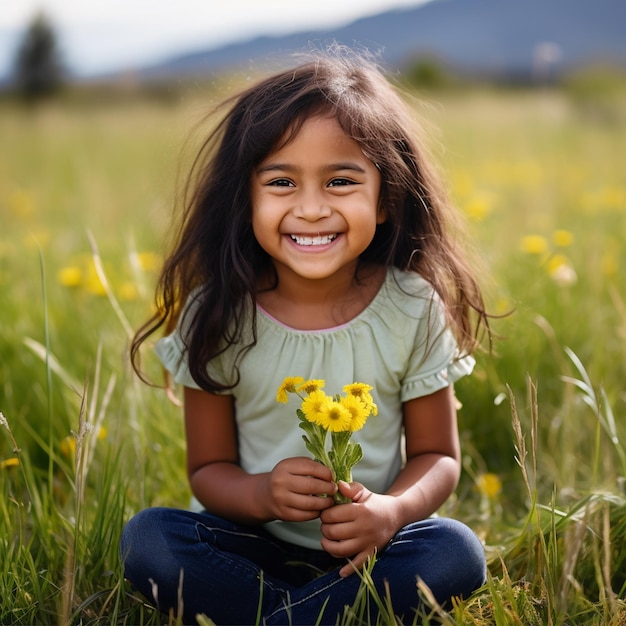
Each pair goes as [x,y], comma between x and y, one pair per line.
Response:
[280,182]
[340,182]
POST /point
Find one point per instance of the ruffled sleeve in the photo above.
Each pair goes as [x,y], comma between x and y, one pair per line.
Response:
[429,382]
[434,362]
[172,353]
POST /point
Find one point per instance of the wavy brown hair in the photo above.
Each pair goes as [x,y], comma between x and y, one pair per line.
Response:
[215,255]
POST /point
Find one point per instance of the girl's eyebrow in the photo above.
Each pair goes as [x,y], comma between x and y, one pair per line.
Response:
[333,167]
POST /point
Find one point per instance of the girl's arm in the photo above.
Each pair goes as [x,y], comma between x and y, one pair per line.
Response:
[288,492]
[433,455]
[430,475]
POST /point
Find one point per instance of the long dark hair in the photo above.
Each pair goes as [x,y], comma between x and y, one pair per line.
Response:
[216,256]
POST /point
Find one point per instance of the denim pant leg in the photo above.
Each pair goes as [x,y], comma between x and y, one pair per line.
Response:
[221,565]
[443,552]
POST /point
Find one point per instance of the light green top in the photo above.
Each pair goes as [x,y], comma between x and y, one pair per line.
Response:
[399,344]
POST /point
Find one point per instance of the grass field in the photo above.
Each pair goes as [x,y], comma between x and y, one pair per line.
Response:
[85,195]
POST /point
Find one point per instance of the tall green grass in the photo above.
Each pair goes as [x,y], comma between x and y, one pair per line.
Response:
[85,195]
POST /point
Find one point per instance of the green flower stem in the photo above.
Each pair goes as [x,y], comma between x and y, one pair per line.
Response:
[345,474]
[341,461]
[341,457]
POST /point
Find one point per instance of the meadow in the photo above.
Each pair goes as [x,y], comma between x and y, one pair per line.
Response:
[86,190]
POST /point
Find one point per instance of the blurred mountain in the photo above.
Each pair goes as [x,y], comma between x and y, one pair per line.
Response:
[495,38]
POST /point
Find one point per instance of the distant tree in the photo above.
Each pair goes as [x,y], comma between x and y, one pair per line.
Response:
[38,69]
[427,72]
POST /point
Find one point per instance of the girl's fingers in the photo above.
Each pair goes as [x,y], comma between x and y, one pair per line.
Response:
[354,565]
[317,487]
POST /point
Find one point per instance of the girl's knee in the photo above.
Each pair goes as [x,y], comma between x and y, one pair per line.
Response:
[462,539]
[144,536]
[461,555]
[445,554]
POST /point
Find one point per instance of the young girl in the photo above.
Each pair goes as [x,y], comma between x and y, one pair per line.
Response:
[316,243]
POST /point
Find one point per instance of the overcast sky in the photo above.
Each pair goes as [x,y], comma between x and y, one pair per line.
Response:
[102,35]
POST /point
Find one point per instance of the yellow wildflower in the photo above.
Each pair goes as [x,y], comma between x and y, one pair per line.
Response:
[503,306]
[309,386]
[462,183]
[68,446]
[320,413]
[561,271]
[358,411]
[613,197]
[70,276]
[313,405]
[357,389]
[362,392]
[128,291]
[478,207]
[334,417]
[147,261]
[289,385]
[489,485]
[9,463]
[562,238]
[534,244]
[93,284]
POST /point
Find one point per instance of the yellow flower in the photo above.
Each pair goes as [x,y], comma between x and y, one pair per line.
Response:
[370,405]
[68,446]
[92,283]
[613,197]
[478,207]
[362,392]
[9,463]
[562,238]
[70,276]
[334,417]
[147,261]
[534,244]
[358,411]
[489,485]
[561,271]
[309,386]
[313,405]
[128,291]
[357,389]
[503,306]
[289,385]
[462,183]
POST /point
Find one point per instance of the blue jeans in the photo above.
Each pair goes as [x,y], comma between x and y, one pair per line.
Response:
[229,570]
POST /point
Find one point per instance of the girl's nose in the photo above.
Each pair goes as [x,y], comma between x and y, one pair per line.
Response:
[312,206]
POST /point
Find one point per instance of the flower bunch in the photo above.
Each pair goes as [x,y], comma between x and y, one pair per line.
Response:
[320,414]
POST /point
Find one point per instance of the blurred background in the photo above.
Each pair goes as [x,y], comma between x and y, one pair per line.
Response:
[144,42]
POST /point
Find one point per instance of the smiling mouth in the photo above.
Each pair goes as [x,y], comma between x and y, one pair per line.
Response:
[318,240]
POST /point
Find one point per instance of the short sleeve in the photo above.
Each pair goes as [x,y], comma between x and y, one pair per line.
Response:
[173,354]
[435,361]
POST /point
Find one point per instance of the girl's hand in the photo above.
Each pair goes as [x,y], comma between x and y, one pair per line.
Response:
[359,528]
[293,489]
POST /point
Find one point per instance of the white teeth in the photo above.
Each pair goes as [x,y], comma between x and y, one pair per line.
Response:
[320,240]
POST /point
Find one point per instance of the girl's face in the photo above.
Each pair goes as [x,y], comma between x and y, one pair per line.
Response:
[315,202]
